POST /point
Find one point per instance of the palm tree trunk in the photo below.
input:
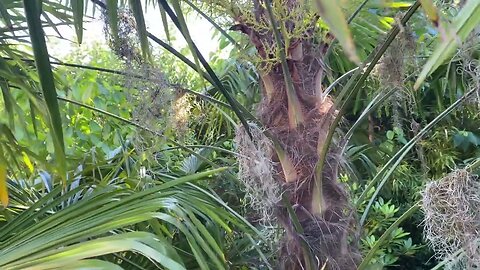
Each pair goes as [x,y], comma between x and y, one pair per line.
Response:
[320,207]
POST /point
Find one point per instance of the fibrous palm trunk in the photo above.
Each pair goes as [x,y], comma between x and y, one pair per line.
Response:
[319,201]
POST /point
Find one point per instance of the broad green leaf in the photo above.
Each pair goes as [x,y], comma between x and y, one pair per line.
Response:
[3,184]
[137,10]
[332,14]
[140,242]
[191,178]
[27,162]
[431,11]
[466,20]
[373,251]
[33,10]
[77,9]
[93,264]
[397,4]
[101,212]
[205,234]
[390,135]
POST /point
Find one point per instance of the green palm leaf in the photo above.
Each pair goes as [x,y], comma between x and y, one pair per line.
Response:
[44,236]
[332,13]
[112,13]
[33,10]
[137,10]
[77,9]
[464,23]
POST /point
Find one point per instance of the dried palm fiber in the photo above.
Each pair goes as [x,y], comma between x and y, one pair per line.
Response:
[452,218]
[256,169]
[302,146]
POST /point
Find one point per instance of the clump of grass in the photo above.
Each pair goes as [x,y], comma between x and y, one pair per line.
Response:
[256,172]
[452,220]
